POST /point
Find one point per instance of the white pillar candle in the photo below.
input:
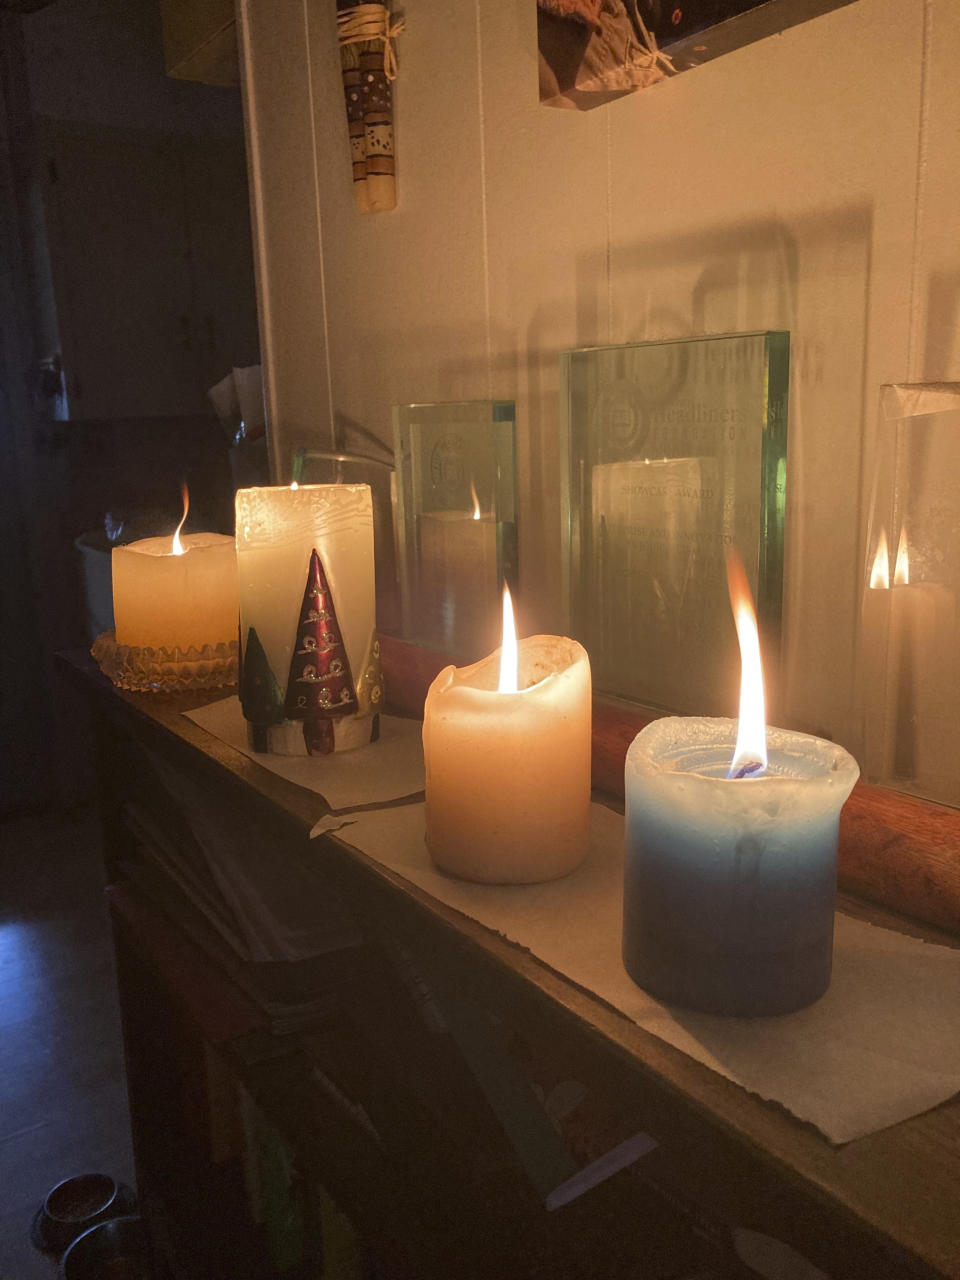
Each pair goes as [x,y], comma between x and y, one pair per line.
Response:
[731,860]
[508,774]
[170,601]
[278,528]
[730,882]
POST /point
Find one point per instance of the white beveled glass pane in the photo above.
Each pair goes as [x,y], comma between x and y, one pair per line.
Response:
[909,624]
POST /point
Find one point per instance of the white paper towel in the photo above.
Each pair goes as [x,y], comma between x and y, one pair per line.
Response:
[386,770]
[883,1044]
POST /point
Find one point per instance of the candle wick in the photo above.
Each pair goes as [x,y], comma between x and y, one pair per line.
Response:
[745,770]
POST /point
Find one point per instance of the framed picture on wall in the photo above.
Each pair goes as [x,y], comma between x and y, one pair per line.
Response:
[592,51]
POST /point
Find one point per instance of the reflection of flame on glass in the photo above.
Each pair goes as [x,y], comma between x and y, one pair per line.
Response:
[750,754]
[178,547]
[880,573]
[901,570]
[476,501]
[508,651]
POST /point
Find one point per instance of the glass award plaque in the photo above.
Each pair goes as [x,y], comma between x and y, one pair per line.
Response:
[677,451]
[909,619]
[456,518]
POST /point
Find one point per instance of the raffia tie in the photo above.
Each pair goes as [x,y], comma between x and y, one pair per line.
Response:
[656,54]
[371,22]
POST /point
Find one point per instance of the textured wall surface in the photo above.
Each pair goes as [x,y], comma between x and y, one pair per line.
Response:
[809,182]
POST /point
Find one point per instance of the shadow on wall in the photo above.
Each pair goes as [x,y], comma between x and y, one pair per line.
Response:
[941,356]
[811,277]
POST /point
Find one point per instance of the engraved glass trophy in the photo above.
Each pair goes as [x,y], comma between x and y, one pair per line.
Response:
[456,517]
[677,450]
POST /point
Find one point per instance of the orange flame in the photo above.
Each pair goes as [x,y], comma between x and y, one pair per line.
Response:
[476,501]
[880,573]
[750,754]
[508,652]
[178,547]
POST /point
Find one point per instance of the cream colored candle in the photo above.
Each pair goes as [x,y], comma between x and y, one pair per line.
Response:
[170,601]
[508,774]
[277,530]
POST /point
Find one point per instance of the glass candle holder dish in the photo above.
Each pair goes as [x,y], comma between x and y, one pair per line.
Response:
[730,882]
[148,670]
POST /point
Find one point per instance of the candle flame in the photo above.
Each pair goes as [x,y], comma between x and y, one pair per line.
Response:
[178,547]
[880,573]
[476,501]
[294,485]
[901,571]
[508,649]
[750,754]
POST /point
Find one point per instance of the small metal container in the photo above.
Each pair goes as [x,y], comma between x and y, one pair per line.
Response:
[118,1249]
[75,1205]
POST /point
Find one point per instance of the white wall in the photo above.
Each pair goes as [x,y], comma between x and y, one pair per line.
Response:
[809,182]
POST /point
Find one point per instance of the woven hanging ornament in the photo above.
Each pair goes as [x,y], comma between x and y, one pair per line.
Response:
[367,35]
[320,687]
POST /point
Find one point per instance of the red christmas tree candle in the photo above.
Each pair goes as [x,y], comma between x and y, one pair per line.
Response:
[310,679]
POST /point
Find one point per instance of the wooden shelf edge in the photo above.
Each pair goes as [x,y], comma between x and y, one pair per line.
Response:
[896,850]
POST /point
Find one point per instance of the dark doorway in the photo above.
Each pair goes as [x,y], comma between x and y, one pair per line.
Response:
[126,292]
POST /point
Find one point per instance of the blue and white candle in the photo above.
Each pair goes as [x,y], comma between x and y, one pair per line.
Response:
[731,857]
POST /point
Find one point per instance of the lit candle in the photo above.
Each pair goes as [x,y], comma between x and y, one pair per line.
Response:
[730,872]
[176,593]
[310,676]
[507,749]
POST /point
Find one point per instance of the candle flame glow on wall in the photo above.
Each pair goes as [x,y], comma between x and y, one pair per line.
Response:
[880,573]
[751,746]
[178,548]
[508,651]
[901,571]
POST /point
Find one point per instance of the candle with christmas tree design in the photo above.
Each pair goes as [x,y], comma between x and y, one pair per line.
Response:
[309,677]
